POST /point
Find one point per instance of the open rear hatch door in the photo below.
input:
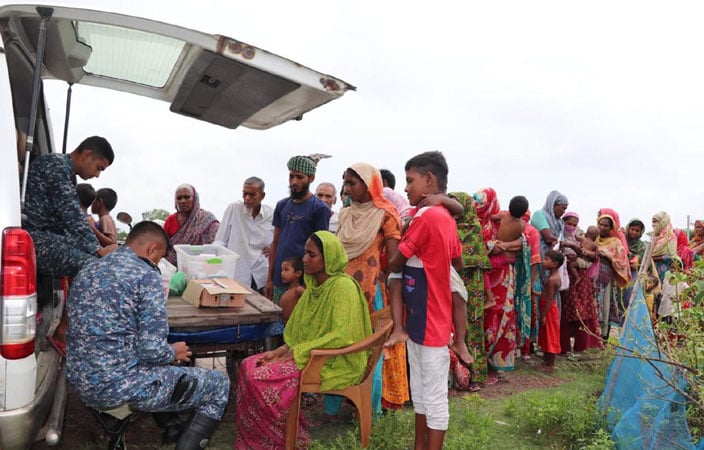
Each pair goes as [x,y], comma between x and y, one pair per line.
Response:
[208,77]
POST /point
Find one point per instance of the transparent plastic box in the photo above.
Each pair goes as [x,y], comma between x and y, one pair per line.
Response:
[167,271]
[206,261]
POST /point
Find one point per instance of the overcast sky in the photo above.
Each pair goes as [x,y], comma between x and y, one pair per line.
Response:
[600,100]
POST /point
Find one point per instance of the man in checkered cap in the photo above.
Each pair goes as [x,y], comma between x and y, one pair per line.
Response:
[295,219]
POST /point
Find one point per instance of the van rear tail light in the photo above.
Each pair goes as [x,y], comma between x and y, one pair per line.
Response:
[18,294]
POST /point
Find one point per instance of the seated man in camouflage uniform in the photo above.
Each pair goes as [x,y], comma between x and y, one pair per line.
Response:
[53,217]
[117,348]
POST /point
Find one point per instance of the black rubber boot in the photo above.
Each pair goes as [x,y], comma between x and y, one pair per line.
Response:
[172,423]
[197,433]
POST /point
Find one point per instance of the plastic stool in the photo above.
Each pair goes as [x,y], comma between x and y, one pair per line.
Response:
[115,429]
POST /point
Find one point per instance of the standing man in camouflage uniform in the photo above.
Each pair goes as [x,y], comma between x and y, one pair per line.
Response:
[117,348]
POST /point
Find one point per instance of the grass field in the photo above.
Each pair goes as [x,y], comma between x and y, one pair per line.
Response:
[527,410]
[520,413]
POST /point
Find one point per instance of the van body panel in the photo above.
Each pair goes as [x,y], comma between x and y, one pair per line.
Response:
[19,426]
[9,159]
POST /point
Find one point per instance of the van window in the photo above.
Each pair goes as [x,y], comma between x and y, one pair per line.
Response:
[128,54]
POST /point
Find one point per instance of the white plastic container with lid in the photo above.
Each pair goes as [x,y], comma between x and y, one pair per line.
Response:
[167,271]
[206,261]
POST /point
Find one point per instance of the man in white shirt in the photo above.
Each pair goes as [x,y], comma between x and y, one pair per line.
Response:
[247,230]
[328,194]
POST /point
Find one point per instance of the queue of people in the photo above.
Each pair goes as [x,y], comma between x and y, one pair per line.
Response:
[470,288]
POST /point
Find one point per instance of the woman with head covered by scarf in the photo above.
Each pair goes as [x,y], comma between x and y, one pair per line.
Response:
[636,252]
[548,220]
[697,241]
[578,318]
[476,265]
[190,224]
[500,319]
[323,318]
[614,270]
[636,246]
[369,228]
[663,243]
[685,253]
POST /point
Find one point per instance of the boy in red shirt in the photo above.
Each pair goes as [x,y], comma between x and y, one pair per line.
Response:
[425,252]
[549,334]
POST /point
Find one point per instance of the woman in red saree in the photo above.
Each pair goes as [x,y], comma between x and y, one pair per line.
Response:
[578,318]
[685,253]
[500,319]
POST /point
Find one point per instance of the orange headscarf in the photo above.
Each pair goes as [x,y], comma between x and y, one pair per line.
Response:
[614,248]
[613,215]
[360,222]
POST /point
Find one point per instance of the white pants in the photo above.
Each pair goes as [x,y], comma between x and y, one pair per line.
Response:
[429,368]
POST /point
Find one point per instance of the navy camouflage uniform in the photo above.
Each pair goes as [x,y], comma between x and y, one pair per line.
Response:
[116,344]
[62,237]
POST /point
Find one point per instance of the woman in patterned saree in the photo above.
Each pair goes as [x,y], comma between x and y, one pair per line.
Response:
[614,270]
[368,228]
[476,264]
[500,319]
[190,224]
[332,313]
[663,243]
[578,318]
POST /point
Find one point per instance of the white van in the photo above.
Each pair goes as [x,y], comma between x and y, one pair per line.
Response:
[207,77]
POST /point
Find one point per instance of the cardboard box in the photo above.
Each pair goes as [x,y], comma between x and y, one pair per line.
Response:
[215,293]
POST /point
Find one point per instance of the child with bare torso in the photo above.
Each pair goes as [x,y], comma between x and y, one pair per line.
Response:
[585,252]
[292,276]
[510,224]
[511,227]
[549,334]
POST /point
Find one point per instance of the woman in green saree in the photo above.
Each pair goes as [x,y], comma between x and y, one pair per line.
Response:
[331,313]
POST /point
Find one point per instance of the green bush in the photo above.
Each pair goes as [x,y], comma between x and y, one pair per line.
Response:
[569,419]
[393,431]
[601,440]
[682,342]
